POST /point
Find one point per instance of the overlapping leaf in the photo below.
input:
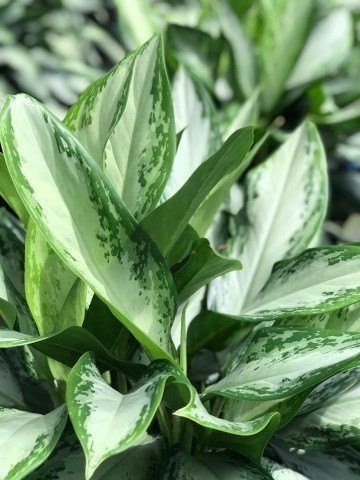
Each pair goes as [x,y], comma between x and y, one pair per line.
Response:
[27,439]
[113,251]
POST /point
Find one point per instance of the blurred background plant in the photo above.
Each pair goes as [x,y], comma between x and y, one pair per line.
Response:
[269,63]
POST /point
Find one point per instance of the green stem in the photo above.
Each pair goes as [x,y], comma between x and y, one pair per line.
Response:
[183,343]
[164,423]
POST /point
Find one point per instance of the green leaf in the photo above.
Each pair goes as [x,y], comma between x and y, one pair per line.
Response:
[67,346]
[280,362]
[203,266]
[345,319]
[242,50]
[195,117]
[342,463]
[27,439]
[166,223]
[68,463]
[210,466]
[295,178]
[246,115]
[247,437]
[11,394]
[335,423]
[214,331]
[105,246]
[328,45]
[196,50]
[316,281]
[55,295]
[95,408]
[9,193]
[284,29]
[126,122]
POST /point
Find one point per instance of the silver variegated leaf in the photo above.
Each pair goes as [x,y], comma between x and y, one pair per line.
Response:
[334,423]
[295,178]
[126,122]
[27,439]
[114,251]
[280,362]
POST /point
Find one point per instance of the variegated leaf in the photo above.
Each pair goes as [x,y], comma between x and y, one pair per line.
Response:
[335,423]
[195,118]
[68,463]
[114,251]
[27,439]
[295,178]
[316,281]
[246,437]
[210,466]
[126,122]
[55,295]
[280,362]
[95,408]
[328,45]
[342,463]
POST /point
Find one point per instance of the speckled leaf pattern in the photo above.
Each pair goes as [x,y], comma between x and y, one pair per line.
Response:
[280,362]
[342,463]
[59,181]
[295,179]
[54,294]
[27,439]
[126,121]
[195,119]
[335,423]
[68,463]
[316,281]
[107,422]
[210,466]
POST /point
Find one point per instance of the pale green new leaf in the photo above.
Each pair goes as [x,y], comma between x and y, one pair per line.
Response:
[166,223]
[27,439]
[335,423]
[280,362]
[126,122]
[316,281]
[295,179]
[105,246]
[284,30]
[328,45]
[106,421]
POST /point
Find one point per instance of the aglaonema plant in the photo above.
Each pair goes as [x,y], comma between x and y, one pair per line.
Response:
[105,315]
